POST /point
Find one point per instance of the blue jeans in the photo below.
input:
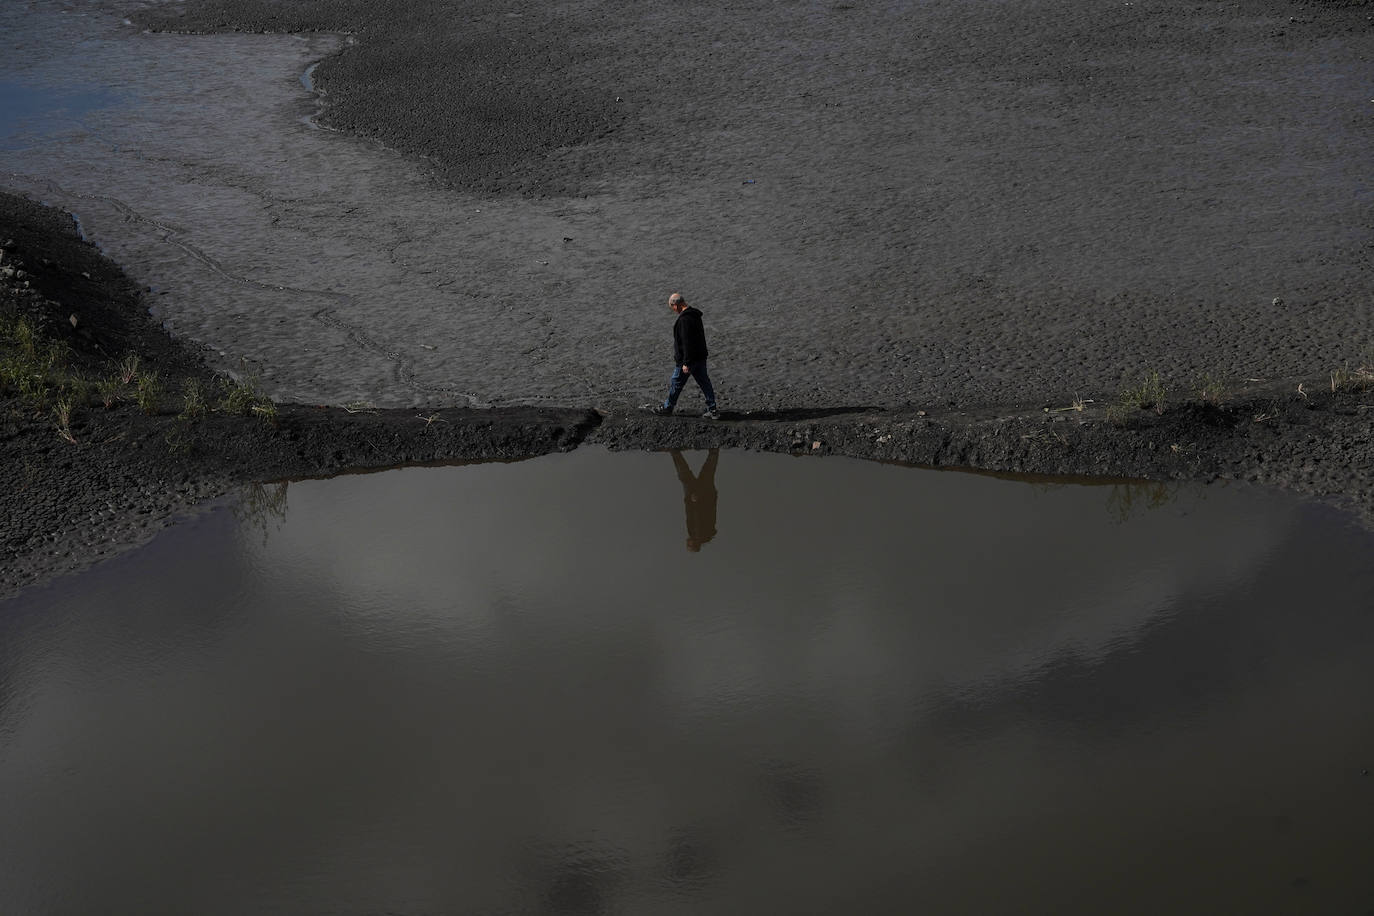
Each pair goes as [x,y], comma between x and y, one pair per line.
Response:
[679,381]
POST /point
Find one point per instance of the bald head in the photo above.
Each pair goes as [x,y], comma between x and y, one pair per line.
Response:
[676,302]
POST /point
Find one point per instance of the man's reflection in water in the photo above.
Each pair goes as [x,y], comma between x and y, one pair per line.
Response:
[698,498]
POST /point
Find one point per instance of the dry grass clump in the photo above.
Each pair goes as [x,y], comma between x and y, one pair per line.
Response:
[62,411]
[148,392]
[245,398]
[36,370]
[127,370]
[194,405]
[1359,379]
[1210,388]
[1148,394]
[109,391]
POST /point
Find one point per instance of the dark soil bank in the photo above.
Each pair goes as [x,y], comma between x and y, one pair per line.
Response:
[67,504]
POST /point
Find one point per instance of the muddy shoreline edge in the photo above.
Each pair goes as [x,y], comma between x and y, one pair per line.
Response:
[118,475]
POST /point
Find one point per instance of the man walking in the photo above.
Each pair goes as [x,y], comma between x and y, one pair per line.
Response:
[689,358]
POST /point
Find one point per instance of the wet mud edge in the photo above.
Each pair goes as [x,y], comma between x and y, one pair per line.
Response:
[129,474]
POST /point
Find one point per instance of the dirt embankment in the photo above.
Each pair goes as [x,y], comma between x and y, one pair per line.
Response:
[96,480]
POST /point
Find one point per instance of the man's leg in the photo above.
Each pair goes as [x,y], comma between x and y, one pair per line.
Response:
[675,385]
[704,380]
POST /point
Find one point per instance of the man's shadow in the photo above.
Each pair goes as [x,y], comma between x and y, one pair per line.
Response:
[698,497]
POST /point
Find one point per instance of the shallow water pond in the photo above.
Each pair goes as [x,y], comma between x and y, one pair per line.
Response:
[699,683]
[46,111]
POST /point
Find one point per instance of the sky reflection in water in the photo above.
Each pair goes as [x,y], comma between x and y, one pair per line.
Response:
[519,688]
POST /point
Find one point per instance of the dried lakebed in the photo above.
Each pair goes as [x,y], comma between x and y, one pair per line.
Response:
[966,204]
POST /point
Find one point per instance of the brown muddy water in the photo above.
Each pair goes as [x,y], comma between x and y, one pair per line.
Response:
[515,688]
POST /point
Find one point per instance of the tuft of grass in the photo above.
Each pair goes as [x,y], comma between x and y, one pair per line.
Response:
[149,392]
[109,391]
[12,373]
[245,398]
[267,411]
[54,355]
[237,398]
[1078,404]
[1212,389]
[79,388]
[1359,379]
[27,361]
[1148,395]
[1119,415]
[26,339]
[128,369]
[62,410]
[193,405]
[33,388]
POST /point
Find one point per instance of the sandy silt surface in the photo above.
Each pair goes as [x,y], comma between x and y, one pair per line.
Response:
[873,203]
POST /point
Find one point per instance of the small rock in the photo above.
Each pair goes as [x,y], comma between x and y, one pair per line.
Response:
[72,319]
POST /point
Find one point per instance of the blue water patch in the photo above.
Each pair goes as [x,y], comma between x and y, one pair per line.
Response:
[33,112]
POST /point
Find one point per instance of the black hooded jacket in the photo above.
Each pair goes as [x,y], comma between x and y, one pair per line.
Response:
[689,338]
